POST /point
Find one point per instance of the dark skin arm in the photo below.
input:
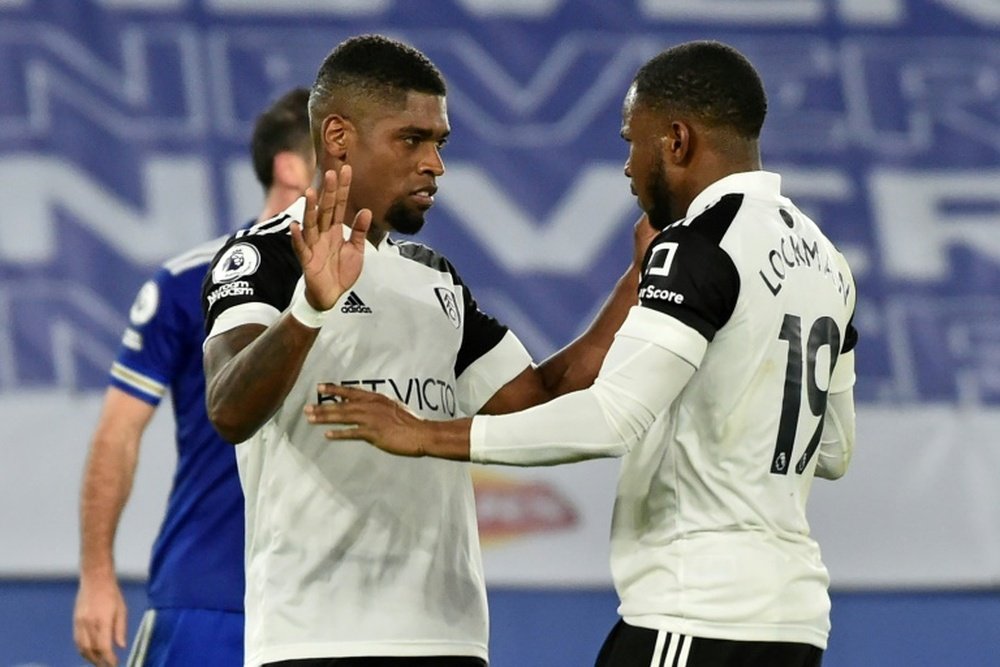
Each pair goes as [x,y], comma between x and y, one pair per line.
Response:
[250,369]
[575,366]
[249,372]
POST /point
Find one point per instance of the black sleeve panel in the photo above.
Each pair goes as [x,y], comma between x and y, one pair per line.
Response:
[250,269]
[690,278]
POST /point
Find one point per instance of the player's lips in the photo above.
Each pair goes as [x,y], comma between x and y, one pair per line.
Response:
[424,196]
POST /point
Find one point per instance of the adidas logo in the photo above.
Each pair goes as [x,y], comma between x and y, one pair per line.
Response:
[354,304]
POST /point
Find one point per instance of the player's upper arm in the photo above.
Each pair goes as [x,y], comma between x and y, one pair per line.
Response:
[498,380]
[123,417]
[221,348]
[493,369]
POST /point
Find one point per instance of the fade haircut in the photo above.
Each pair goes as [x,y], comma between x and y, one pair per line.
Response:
[372,67]
[283,127]
[713,82]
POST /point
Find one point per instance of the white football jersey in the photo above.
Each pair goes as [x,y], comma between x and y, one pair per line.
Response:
[709,534]
[351,551]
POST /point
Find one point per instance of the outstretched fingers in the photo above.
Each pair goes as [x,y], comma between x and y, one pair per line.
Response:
[341,186]
[329,200]
[359,230]
[357,410]
[304,233]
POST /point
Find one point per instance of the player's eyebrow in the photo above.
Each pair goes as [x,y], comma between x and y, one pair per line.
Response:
[421,132]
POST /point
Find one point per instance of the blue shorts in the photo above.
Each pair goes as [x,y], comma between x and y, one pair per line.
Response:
[184,637]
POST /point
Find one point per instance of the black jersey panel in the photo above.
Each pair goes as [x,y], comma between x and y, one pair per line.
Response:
[690,278]
[480,334]
[850,338]
[714,222]
[251,267]
[425,255]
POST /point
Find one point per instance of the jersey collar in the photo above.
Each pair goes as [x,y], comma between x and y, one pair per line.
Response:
[762,183]
[297,211]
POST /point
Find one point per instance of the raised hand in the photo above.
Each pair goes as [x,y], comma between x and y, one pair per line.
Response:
[330,264]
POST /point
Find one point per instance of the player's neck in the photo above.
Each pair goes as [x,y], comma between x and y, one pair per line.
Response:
[278,198]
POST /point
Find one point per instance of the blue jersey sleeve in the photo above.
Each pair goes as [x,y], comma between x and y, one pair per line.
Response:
[151,346]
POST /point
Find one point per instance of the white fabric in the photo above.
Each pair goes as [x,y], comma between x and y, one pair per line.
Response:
[247,313]
[479,381]
[709,532]
[302,310]
[843,374]
[638,380]
[837,443]
[667,332]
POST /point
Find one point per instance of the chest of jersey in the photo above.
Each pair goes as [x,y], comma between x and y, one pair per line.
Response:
[397,331]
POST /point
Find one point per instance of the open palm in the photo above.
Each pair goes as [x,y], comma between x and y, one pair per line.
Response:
[330,263]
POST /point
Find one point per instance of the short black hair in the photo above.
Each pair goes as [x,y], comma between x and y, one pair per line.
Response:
[374,65]
[284,126]
[710,80]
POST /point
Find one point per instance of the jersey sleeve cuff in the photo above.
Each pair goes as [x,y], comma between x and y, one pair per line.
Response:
[666,332]
[843,373]
[487,374]
[137,384]
[477,436]
[245,313]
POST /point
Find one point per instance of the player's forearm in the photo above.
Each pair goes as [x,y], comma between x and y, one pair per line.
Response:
[446,439]
[640,380]
[577,365]
[106,487]
[249,374]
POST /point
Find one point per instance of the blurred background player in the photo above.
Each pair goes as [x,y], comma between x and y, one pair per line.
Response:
[196,582]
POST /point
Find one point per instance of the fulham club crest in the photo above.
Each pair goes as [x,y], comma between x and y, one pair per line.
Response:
[449,305]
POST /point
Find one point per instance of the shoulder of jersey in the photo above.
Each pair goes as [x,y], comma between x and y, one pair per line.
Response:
[199,256]
[278,225]
[271,234]
[245,251]
[713,222]
[422,254]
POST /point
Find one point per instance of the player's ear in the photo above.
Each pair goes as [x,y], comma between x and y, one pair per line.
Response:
[335,131]
[676,143]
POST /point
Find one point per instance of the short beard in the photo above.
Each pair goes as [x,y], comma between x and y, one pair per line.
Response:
[659,213]
[404,220]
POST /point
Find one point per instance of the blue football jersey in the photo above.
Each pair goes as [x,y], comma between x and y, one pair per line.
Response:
[197,559]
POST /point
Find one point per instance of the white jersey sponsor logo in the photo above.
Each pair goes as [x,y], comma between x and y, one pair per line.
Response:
[650,292]
[239,288]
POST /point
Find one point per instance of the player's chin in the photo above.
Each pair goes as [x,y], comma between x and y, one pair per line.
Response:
[405,219]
